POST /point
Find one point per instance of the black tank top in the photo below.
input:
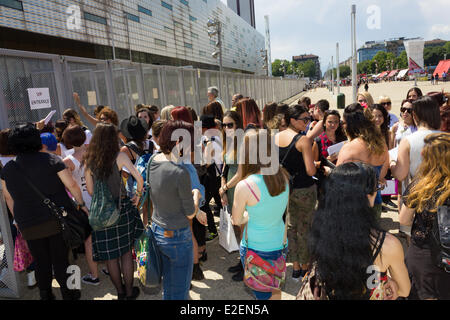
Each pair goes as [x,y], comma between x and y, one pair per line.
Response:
[295,165]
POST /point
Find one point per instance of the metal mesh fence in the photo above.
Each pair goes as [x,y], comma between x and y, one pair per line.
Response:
[9,283]
[120,85]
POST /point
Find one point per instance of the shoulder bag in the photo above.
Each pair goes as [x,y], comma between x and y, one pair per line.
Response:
[261,274]
[74,223]
[148,256]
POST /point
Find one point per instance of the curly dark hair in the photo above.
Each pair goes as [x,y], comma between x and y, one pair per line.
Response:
[344,231]
[102,152]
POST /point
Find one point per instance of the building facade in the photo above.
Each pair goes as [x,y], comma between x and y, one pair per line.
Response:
[169,32]
[245,9]
[395,46]
[306,57]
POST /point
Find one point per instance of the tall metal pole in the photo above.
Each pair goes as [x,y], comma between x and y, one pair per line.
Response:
[332,76]
[112,36]
[219,33]
[337,69]
[268,49]
[354,60]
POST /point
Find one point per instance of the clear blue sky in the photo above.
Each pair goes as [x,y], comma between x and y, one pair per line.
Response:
[314,26]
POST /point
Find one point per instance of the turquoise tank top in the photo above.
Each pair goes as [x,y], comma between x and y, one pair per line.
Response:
[265,223]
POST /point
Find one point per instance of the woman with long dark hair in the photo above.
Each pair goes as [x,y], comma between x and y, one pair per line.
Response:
[381,120]
[366,144]
[231,174]
[346,243]
[104,162]
[295,155]
[429,190]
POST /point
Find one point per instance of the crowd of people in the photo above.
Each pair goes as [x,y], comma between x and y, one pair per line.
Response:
[319,210]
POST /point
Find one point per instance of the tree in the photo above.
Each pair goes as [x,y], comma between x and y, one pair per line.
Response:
[401,62]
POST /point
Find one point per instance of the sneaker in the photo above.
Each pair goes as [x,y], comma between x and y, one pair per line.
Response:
[88,279]
[211,236]
[391,204]
[105,272]
[384,208]
[236,268]
[31,279]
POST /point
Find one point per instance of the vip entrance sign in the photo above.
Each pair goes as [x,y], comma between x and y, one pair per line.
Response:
[39,98]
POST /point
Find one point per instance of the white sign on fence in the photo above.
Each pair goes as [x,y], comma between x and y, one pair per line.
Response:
[39,98]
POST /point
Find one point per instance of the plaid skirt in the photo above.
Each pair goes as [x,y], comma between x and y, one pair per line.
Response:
[113,242]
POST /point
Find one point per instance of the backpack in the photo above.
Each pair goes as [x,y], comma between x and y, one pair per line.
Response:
[104,211]
[440,238]
[142,160]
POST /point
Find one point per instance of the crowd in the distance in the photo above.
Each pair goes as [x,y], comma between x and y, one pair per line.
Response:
[319,210]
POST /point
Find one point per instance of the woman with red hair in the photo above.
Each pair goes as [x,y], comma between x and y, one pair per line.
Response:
[250,114]
[183,114]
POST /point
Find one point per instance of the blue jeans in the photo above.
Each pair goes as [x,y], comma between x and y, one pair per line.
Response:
[177,262]
[267,255]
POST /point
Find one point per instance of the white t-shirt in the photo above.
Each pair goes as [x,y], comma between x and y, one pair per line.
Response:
[64,151]
[78,175]
[88,136]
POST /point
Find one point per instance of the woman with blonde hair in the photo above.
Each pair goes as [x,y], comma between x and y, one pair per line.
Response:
[386,102]
[429,190]
[166,112]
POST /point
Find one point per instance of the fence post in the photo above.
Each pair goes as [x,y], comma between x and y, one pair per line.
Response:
[8,276]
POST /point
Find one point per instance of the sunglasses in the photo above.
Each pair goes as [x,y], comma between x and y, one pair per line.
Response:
[408,110]
[386,103]
[362,101]
[306,119]
[228,125]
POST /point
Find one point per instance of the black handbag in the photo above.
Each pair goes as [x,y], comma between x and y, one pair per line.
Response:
[74,223]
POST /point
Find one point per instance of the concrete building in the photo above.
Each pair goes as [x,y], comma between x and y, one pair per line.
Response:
[306,57]
[395,46]
[166,32]
[245,9]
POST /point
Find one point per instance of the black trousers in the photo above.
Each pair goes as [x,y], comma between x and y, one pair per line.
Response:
[212,185]
[48,253]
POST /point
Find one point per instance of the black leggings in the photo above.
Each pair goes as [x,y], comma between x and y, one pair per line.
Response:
[199,232]
[212,186]
[48,253]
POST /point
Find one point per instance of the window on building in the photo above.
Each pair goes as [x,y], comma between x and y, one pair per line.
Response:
[166,5]
[177,24]
[160,42]
[94,18]
[212,42]
[192,18]
[167,29]
[144,10]
[132,17]
[184,2]
[194,35]
[202,53]
[188,45]
[13,4]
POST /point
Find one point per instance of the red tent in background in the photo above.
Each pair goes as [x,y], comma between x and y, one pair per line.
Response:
[392,73]
[383,74]
[443,65]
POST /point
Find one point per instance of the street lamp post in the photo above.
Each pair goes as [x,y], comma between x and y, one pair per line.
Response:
[216,26]
[354,61]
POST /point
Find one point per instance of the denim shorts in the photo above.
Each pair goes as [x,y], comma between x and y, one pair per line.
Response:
[267,255]
[177,262]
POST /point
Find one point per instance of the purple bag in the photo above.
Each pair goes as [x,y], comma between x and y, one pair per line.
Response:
[22,255]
